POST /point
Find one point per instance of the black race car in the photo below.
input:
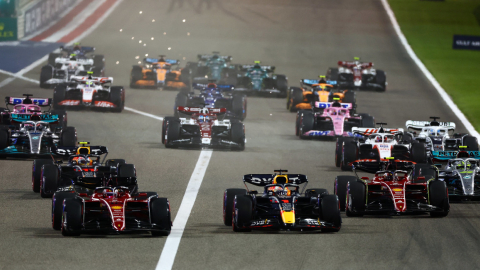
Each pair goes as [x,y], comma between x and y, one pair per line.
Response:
[281,206]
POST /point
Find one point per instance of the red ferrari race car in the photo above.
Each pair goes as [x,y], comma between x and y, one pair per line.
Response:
[397,188]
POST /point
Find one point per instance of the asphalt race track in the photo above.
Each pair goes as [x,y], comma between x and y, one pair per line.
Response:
[302,39]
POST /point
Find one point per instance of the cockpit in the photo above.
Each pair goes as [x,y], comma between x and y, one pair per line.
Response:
[435,131]
[463,164]
[339,112]
[392,175]
[21,108]
[34,126]
[110,193]
[379,138]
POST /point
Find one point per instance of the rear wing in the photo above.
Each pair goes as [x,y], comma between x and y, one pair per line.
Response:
[421,124]
[48,118]
[308,82]
[156,60]
[201,86]
[191,110]
[354,63]
[266,68]
[374,165]
[80,61]
[206,57]
[324,105]
[369,131]
[36,101]
[267,179]
[84,79]
[72,150]
[83,49]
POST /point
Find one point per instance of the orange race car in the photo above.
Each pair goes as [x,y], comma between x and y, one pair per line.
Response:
[302,98]
[159,72]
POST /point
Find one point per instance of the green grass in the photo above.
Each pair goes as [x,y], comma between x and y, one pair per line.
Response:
[429,27]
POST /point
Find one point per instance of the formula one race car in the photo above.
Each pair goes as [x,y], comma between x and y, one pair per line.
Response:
[61,67]
[358,75]
[210,67]
[378,144]
[159,72]
[81,52]
[27,132]
[214,96]
[257,79]
[281,206]
[318,90]
[332,120]
[203,129]
[442,144]
[394,190]
[84,166]
[113,210]
[89,92]
[462,176]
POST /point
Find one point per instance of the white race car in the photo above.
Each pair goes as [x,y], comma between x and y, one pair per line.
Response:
[378,143]
[88,91]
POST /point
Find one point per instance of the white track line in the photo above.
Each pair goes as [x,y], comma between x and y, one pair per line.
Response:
[173,240]
[144,113]
[427,73]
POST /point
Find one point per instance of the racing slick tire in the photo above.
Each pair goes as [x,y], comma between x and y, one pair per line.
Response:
[161,216]
[46,74]
[349,97]
[49,180]
[62,118]
[438,196]
[135,75]
[98,72]
[349,153]
[3,139]
[99,61]
[239,107]
[355,199]
[296,97]
[381,79]
[228,200]
[242,213]
[165,122]
[368,121]
[338,151]
[114,162]
[314,192]
[298,121]
[471,143]
[71,217]
[52,57]
[418,153]
[58,96]
[281,84]
[69,137]
[340,188]
[407,138]
[332,74]
[37,173]
[330,213]
[173,132]
[237,135]
[307,123]
[57,207]
[117,97]
[127,170]
[181,100]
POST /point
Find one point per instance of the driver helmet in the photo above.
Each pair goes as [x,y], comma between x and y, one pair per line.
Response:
[201,119]
[388,176]
[460,165]
[108,193]
[83,161]
[20,109]
[77,46]
[277,189]
[73,57]
[378,139]
[257,65]
[89,83]
[433,132]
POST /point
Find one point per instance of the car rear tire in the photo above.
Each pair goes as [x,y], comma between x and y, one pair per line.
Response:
[238,135]
[338,151]
[49,180]
[161,216]
[135,75]
[69,137]
[368,121]
[439,197]
[165,122]
[281,84]
[349,154]
[239,106]
[418,153]
[127,170]
[3,139]
[57,207]
[114,162]
[37,173]
[228,200]
[99,61]
[173,132]
[72,217]
[314,192]
[117,97]
[330,213]
[307,123]
[296,97]
[471,143]
[355,199]
[58,96]
[242,213]
[341,183]
[381,79]
[52,57]
[46,74]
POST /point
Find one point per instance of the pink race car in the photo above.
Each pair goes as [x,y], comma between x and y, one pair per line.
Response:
[334,121]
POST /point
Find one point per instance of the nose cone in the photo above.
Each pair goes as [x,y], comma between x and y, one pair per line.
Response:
[288,217]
